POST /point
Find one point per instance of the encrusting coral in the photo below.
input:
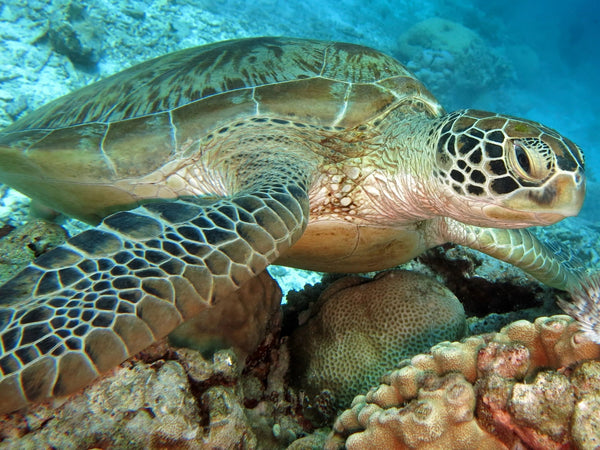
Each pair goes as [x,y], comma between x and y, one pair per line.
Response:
[496,390]
[364,327]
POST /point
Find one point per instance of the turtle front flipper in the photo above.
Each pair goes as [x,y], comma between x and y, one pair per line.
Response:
[518,247]
[109,292]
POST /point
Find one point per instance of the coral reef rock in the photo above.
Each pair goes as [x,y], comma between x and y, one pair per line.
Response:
[170,398]
[364,327]
[241,322]
[139,405]
[527,386]
[448,57]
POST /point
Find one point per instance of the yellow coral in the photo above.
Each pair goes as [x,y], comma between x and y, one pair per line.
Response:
[440,417]
[364,327]
[553,341]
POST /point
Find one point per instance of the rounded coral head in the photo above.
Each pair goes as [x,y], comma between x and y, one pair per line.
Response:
[502,171]
[363,328]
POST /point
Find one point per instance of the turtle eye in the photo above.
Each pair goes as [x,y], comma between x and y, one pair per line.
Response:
[529,162]
[522,158]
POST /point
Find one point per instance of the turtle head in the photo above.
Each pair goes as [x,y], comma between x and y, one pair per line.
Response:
[506,172]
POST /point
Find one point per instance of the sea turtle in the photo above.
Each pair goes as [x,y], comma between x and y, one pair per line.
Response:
[206,165]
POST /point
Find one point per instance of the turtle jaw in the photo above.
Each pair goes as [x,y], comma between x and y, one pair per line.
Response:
[502,217]
[561,196]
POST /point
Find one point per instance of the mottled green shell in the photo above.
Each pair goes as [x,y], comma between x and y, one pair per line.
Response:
[131,124]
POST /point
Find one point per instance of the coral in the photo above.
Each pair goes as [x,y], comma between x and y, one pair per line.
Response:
[135,406]
[449,57]
[537,414]
[168,398]
[586,381]
[311,442]
[498,387]
[440,417]
[555,341]
[363,327]
[241,321]
[229,425]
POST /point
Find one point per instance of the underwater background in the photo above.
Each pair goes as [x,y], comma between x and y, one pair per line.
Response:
[533,59]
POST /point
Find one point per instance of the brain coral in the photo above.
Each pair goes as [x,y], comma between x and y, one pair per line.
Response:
[364,327]
[499,390]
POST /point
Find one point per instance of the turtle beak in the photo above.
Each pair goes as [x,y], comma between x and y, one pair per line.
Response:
[570,193]
[561,197]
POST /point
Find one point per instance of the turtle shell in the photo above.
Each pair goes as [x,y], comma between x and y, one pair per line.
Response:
[77,153]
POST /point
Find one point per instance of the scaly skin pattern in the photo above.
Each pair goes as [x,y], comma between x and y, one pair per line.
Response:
[109,292]
[519,247]
[207,165]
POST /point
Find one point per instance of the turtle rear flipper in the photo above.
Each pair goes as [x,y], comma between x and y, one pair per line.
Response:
[109,292]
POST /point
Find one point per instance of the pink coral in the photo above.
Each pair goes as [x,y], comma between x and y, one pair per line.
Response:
[509,395]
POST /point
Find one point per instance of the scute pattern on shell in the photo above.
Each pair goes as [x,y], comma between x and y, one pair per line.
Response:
[96,150]
[189,75]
